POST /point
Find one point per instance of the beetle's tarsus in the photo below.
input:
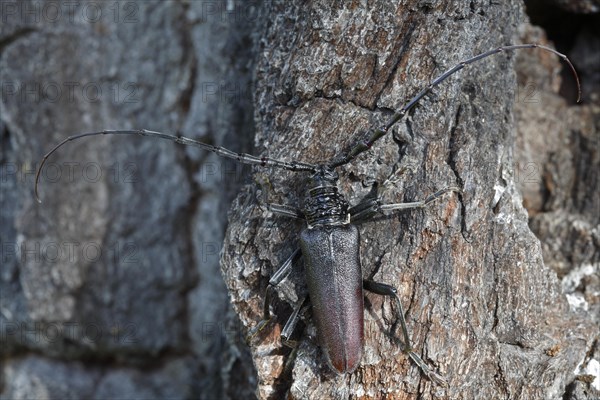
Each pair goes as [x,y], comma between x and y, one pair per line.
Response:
[259,327]
[433,376]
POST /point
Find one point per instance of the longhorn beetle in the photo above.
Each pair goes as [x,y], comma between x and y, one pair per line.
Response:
[330,243]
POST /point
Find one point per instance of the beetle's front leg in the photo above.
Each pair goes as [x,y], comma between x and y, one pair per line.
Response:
[365,211]
[390,291]
[285,211]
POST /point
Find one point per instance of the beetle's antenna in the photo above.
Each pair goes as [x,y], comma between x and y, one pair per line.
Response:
[373,134]
[220,151]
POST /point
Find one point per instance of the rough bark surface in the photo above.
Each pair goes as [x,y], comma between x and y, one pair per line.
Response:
[111,288]
[149,317]
[557,165]
[482,306]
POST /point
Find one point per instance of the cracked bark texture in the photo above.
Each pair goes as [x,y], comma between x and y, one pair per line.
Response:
[111,288]
[149,319]
[482,306]
[558,177]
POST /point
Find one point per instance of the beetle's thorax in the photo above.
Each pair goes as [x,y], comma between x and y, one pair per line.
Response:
[324,204]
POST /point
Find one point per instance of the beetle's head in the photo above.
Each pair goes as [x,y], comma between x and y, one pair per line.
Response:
[325,177]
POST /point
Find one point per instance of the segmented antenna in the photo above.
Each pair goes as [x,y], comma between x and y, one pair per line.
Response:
[362,145]
[374,134]
[220,151]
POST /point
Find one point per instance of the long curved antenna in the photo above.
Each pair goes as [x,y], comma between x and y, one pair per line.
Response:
[220,151]
[373,134]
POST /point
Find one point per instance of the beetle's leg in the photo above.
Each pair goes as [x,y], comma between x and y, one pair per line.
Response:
[286,211]
[387,290]
[418,204]
[276,278]
[287,332]
[390,291]
[366,210]
[290,325]
[282,272]
[280,209]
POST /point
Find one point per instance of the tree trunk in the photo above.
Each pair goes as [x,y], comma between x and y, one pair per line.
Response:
[111,288]
[482,307]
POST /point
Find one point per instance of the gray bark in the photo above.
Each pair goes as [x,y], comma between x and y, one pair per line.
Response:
[482,306]
[557,174]
[150,317]
[111,287]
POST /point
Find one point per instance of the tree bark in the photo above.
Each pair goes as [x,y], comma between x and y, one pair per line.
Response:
[482,307]
[149,318]
[111,287]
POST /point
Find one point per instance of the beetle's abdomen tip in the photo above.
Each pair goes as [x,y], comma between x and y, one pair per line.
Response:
[341,365]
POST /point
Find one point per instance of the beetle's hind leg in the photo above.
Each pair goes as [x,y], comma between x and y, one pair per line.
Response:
[390,291]
[290,325]
[287,332]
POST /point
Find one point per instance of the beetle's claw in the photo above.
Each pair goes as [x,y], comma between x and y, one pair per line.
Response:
[434,377]
[259,327]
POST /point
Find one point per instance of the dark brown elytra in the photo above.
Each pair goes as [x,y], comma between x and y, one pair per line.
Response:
[330,243]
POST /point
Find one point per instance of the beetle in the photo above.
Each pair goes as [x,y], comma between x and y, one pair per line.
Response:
[330,244]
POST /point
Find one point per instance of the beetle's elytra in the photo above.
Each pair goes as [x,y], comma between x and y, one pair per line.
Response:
[330,244]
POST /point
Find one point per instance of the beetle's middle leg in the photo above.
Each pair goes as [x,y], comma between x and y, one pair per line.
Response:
[390,291]
[275,280]
[281,273]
